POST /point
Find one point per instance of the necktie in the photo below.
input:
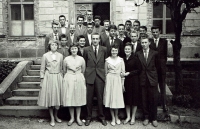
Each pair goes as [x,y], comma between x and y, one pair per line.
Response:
[56,36]
[95,51]
[145,55]
[112,41]
[133,47]
[156,42]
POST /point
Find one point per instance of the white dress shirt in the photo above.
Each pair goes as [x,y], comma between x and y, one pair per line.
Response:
[90,38]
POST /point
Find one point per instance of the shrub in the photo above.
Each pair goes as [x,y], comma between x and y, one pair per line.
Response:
[6,67]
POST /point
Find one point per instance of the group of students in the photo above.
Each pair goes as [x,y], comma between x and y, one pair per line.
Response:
[118,66]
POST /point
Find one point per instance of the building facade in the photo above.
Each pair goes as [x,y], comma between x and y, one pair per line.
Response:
[24,23]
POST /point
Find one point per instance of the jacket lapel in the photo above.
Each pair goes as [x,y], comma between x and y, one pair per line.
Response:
[149,56]
[91,51]
[142,58]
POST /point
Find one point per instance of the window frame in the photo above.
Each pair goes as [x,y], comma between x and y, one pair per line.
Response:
[163,19]
[21,3]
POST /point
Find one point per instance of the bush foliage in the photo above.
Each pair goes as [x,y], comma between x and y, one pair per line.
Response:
[6,67]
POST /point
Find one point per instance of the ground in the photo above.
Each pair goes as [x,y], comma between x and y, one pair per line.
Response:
[38,123]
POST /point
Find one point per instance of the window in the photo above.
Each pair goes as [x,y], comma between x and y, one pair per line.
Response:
[162,18]
[21,18]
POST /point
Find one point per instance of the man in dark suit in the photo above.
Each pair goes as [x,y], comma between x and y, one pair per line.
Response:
[95,56]
[136,25]
[149,82]
[88,35]
[63,27]
[72,36]
[88,19]
[160,45]
[112,40]
[80,28]
[128,25]
[135,42]
[52,36]
[97,27]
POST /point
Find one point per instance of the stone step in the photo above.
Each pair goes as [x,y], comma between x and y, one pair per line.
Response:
[35,67]
[26,92]
[25,101]
[24,111]
[31,78]
[29,85]
[33,72]
[37,62]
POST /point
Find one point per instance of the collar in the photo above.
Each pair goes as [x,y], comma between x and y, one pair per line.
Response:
[89,21]
[113,38]
[71,34]
[146,50]
[55,34]
[156,39]
[96,46]
[51,53]
[123,36]
[134,43]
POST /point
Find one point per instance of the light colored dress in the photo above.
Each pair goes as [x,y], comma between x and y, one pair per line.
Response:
[113,92]
[51,72]
[74,86]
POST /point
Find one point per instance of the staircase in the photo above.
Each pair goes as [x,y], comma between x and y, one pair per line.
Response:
[24,99]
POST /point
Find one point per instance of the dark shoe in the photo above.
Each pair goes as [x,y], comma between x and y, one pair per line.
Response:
[87,122]
[145,122]
[104,122]
[155,123]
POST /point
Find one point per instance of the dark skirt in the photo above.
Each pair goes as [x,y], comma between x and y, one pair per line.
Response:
[131,94]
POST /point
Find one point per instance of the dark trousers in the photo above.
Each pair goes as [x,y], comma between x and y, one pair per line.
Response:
[98,89]
[149,101]
[162,86]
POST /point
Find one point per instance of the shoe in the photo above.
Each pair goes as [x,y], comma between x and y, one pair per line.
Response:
[155,123]
[126,121]
[132,123]
[145,122]
[52,124]
[87,122]
[58,120]
[79,123]
[112,123]
[104,122]
[118,122]
[70,123]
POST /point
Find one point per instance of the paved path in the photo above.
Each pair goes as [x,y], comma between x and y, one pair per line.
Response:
[33,123]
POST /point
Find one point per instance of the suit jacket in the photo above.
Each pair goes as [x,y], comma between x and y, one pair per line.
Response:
[48,38]
[81,31]
[149,68]
[118,42]
[94,66]
[98,30]
[69,42]
[162,54]
[103,37]
[138,47]
[87,40]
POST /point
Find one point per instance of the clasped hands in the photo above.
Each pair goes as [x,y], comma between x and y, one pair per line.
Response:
[124,74]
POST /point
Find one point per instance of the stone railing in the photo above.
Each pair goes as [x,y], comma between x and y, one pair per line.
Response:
[10,82]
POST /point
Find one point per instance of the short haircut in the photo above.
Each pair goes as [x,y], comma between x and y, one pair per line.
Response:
[73,45]
[143,35]
[96,34]
[90,24]
[115,46]
[121,25]
[80,36]
[146,37]
[80,16]
[136,21]
[88,11]
[62,16]
[63,36]
[107,21]
[112,27]
[128,21]
[135,32]
[52,41]
[155,27]
[128,44]
[54,23]
[97,17]
[144,27]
